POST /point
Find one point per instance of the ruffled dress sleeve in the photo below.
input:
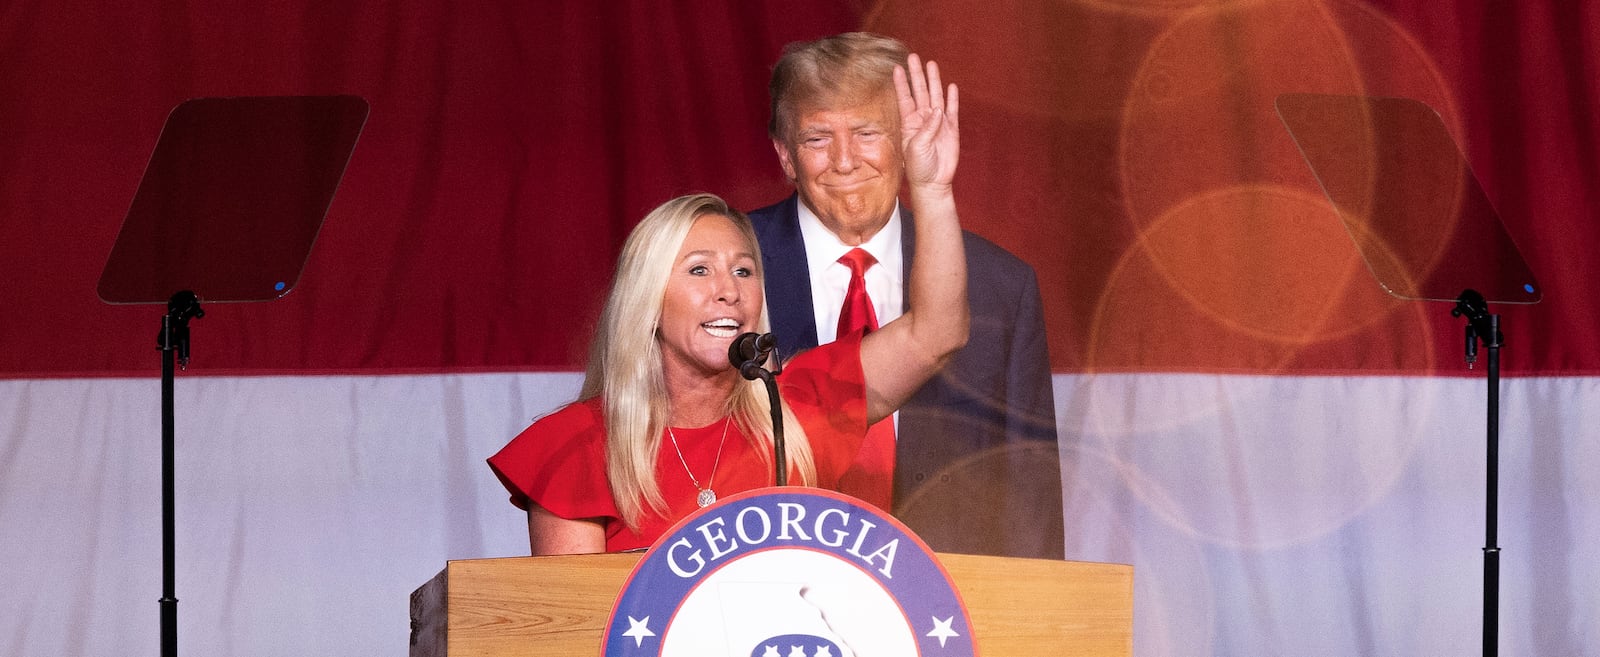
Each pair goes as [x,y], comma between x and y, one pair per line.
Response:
[559,463]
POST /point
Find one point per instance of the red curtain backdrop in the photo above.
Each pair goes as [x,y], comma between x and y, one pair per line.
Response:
[1127,149]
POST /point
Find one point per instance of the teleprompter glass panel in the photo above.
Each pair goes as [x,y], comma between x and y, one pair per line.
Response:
[232,199]
[1407,197]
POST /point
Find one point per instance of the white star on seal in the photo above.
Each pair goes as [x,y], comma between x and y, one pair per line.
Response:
[772,651]
[639,629]
[941,630]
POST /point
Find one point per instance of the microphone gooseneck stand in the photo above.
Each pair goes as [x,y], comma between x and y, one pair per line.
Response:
[1485,327]
[747,353]
[174,344]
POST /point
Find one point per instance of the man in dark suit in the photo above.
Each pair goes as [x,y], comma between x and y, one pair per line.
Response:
[973,455]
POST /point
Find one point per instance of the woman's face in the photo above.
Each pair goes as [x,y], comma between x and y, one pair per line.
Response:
[713,295]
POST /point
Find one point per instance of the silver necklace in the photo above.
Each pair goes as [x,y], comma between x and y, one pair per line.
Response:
[706,495]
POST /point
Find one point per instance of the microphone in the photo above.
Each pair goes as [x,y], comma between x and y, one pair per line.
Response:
[742,348]
[749,351]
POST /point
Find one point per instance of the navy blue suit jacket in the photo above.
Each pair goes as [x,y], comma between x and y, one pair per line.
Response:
[977,469]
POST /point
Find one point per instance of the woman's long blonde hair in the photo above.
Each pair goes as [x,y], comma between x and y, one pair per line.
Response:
[625,369]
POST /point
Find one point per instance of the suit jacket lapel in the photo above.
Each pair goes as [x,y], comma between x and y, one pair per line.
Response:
[783,255]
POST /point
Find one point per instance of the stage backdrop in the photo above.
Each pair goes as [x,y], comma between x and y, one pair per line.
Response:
[1292,460]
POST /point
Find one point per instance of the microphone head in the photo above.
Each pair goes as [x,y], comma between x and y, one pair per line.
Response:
[751,370]
[742,349]
[765,343]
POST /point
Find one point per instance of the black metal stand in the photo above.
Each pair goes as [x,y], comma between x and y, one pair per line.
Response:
[1392,157]
[747,353]
[186,230]
[1485,327]
[174,344]
[780,464]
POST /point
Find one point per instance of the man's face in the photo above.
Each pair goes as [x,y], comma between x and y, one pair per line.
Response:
[845,163]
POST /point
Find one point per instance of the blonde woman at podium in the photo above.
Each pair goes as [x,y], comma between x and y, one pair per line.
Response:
[665,423]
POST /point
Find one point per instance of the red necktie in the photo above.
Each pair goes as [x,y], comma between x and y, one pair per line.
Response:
[871,476]
[857,313]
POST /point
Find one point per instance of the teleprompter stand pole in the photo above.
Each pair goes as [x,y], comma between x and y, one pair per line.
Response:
[1485,327]
[174,344]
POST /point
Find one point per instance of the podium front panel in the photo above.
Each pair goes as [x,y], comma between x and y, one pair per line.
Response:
[537,606]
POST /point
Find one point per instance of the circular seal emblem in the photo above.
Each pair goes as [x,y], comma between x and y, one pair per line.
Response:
[789,572]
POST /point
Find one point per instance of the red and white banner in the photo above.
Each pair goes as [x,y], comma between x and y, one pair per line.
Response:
[1292,460]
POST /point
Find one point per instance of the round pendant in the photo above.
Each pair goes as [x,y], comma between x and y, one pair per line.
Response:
[706,497]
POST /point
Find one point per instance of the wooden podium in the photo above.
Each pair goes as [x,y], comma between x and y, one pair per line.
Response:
[534,606]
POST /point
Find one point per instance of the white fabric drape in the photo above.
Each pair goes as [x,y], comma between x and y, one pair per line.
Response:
[1264,515]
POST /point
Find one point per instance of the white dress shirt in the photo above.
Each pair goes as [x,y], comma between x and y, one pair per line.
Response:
[830,278]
